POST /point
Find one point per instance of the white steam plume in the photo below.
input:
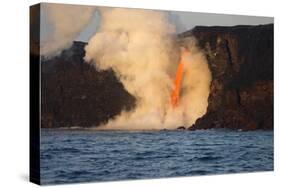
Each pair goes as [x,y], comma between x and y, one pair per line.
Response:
[138,46]
[64,22]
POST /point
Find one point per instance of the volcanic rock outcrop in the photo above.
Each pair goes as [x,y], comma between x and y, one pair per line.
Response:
[241,61]
[75,94]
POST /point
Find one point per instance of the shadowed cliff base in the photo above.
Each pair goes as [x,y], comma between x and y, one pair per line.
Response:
[75,94]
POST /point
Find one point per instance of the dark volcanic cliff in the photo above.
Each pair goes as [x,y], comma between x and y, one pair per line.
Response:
[74,93]
[240,58]
[241,61]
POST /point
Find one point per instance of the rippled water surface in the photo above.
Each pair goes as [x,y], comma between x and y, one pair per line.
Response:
[81,155]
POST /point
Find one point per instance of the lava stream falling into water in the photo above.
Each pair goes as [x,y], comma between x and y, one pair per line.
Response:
[177,82]
[126,43]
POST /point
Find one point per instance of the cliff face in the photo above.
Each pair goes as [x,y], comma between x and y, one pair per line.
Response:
[73,93]
[241,61]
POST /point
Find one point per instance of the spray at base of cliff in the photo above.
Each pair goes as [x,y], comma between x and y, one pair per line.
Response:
[138,45]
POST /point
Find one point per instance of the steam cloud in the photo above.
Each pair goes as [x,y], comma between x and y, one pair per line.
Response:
[66,21]
[138,45]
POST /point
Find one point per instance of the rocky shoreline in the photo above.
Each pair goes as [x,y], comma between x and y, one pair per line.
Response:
[241,97]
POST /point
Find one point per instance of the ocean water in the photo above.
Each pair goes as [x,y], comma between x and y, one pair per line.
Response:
[69,156]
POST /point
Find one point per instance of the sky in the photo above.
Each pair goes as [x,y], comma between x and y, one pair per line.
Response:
[187,20]
[182,20]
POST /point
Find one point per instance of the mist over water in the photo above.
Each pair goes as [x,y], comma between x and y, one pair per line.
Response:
[140,46]
[142,49]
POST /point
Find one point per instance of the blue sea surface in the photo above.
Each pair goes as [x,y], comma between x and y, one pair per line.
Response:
[69,156]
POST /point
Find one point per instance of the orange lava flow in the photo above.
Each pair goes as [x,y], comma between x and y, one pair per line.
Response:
[177,82]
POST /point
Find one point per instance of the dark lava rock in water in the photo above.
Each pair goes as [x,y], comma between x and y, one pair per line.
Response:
[181,128]
[241,61]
